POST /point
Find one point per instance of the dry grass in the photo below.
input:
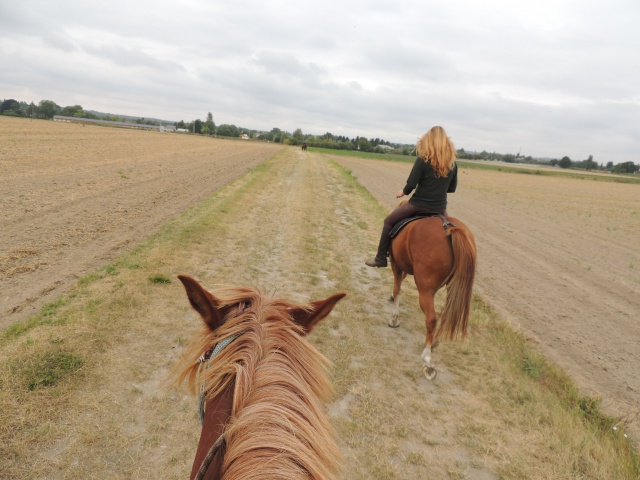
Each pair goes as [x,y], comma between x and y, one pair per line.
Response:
[496,410]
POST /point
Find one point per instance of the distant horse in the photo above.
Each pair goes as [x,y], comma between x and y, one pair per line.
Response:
[304,147]
[262,387]
[437,251]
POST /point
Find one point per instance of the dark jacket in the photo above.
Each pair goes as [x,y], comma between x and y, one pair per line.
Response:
[431,191]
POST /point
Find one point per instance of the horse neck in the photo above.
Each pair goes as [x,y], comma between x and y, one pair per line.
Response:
[218,411]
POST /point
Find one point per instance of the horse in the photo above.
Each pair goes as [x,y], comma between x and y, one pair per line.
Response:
[304,147]
[262,386]
[437,251]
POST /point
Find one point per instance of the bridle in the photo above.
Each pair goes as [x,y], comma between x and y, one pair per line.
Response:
[203,361]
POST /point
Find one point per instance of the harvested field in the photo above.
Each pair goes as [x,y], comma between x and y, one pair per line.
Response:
[73,197]
[558,257]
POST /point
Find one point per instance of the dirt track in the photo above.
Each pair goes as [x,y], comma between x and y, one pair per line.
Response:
[559,258]
[72,198]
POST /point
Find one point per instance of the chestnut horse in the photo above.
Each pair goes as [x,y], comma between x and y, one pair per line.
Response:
[437,251]
[262,386]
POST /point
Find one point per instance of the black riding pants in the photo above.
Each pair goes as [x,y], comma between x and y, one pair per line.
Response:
[404,211]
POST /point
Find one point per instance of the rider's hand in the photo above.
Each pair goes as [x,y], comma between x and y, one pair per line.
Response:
[400,194]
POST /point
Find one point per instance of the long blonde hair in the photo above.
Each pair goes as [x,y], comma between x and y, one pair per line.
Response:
[436,148]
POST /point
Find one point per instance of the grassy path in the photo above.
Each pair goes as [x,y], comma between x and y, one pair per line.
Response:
[81,386]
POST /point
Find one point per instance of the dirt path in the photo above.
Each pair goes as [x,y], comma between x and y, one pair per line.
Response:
[72,198]
[560,259]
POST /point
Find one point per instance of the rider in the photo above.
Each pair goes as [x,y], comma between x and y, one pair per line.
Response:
[434,174]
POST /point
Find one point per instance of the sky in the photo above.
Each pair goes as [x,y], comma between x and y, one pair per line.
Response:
[549,78]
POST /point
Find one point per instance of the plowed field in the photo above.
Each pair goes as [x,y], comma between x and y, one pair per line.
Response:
[73,197]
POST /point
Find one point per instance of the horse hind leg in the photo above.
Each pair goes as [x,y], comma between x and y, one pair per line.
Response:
[431,318]
[398,277]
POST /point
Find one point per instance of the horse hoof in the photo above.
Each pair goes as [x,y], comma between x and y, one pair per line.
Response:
[394,324]
[429,372]
[391,299]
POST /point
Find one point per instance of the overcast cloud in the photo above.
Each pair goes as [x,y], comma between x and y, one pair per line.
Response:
[547,78]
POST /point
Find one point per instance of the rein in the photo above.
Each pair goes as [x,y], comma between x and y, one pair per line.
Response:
[205,358]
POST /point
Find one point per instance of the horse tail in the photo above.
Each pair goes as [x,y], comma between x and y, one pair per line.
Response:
[455,315]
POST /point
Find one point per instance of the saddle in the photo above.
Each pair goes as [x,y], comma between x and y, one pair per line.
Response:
[395,230]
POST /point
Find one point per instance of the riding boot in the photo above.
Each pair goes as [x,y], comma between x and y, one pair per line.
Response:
[381,257]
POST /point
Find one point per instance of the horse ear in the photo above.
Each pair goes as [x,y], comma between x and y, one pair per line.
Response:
[319,310]
[202,302]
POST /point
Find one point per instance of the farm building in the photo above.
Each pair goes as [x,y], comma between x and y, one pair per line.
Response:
[138,126]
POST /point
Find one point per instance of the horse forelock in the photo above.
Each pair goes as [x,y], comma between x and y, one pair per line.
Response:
[280,384]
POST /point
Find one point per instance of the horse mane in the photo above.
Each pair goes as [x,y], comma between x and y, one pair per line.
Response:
[278,427]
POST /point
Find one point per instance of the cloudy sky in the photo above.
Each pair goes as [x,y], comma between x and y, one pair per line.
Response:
[546,78]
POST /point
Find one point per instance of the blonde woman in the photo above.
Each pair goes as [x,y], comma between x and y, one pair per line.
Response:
[434,174]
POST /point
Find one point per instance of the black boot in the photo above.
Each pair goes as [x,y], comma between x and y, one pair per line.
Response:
[381,257]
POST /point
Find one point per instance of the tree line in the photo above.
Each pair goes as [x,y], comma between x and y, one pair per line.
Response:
[47,109]
[565,162]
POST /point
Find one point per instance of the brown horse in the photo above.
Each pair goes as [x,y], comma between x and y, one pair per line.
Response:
[437,251]
[304,147]
[262,386]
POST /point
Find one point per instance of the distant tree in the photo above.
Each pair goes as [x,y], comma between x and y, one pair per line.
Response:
[565,162]
[180,124]
[589,164]
[553,162]
[72,111]
[626,167]
[364,145]
[197,126]
[609,165]
[298,137]
[47,109]
[509,158]
[227,130]
[210,125]
[10,105]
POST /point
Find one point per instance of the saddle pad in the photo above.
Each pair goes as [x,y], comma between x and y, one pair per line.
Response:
[405,221]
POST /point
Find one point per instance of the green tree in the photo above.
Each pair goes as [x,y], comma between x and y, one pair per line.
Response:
[209,125]
[10,107]
[298,137]
[589,164]
[72,111]
[364,145]
[226,130]
[197,126]
[47,109]
[565,162]
[626,167]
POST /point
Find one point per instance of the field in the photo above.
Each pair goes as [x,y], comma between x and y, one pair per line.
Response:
[74,197]
[83,390]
